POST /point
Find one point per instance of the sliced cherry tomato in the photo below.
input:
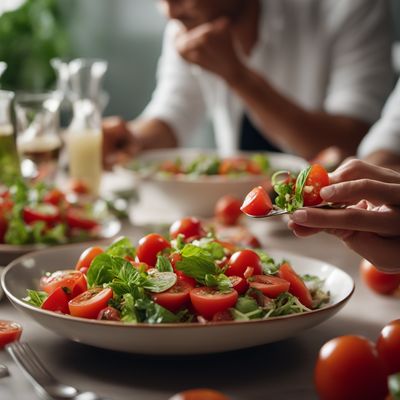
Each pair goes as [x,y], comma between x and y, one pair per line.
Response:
[348,368]
[90,303]
[271,286]
[77,218]
[257,202]
[54,196]
[74,281]
[297,286]
[388,346]
[242,259]
[208,301]
[57,301]
[174,298]
[317,178]
[188,227]
[227,210]
[200,394]
[9,332]
[47,213]
[109,314]
[239,284]
[87,257]
[149,247]
[378,281]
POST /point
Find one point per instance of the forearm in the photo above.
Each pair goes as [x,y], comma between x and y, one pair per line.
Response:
[290,126]
[153,134]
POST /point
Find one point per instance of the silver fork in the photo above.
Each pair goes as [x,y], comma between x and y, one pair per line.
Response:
[47,386]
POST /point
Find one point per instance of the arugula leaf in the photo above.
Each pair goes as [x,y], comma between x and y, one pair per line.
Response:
[158,282]
[36,297]
[286,304]
[163,264]
[122,247]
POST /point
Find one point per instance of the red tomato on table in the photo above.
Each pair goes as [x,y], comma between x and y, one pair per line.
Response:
[297,286]
[378,281]
[241,260]
[271,286]
[348,368]
[388,346]
[188,227]
[257,203]
[208,301]
[149,247]
[74,281]
[227,210]
[90,303]
[9,332]
[317,178]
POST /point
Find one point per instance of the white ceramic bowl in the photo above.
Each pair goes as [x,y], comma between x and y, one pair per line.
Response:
[182,338]
[164,199]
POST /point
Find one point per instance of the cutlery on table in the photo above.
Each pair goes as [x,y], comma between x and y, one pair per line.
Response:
[279,211]
[46,385]
[4,372]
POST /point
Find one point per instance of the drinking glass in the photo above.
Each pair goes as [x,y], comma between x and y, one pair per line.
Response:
[9,161]
[38,139]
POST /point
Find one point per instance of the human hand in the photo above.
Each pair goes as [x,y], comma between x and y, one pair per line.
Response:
[211,46]
[119,144]
[371,223]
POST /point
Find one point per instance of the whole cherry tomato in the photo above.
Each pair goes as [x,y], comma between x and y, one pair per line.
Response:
[348,368]
[379,282]
[149,247]
[87,257]
[388,346]
[227,210]
[241,260]
[188,227]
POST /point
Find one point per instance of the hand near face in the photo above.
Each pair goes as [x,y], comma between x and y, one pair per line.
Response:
[211,46]
[371,223]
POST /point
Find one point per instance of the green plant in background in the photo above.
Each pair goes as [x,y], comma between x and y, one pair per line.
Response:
[30,37]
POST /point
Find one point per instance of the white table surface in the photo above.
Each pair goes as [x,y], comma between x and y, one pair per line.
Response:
[282,370]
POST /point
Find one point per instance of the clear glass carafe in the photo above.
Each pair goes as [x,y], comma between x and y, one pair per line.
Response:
[9,161]
[84,134]
[38,134]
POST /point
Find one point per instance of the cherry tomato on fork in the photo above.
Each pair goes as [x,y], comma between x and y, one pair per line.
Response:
[9,332]
[378,281]
[317,178]
[88,304]
[257,202]
[149,247]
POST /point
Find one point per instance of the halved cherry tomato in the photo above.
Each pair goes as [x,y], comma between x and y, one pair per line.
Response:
[74,281]
[77,218]
[242,259]
[208,301]
[317,178]
[227,210]
[239,284]
[174,298]
[149,247]
[348,368]
[200,394]
[271,286]
[87,257]
[54,196]
[57,301]
[47,213]
[188,227]
[9,332]
[378,281]
[90,303]
[257,202]
[388,346]
[297,286]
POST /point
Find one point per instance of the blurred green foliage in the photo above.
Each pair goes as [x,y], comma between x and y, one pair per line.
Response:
[30,37]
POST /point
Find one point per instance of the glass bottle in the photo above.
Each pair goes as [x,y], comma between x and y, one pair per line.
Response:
[38,134]
[84,134]
[9,161]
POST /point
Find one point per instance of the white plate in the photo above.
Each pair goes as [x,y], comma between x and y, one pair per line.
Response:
[9,252]
[188,338]
[168,198]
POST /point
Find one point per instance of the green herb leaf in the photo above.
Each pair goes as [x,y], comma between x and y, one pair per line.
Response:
[300,183]
[36,297]
[221,281]
[122,247]
[103,269]
[163,264]
[394,386]
[158,282]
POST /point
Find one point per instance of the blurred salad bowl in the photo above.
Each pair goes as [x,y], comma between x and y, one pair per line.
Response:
[170,338]
[174,183]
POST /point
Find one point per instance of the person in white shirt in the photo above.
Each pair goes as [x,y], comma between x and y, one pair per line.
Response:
[297,76]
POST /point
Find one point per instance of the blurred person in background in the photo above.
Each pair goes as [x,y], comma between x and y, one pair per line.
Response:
[279,75]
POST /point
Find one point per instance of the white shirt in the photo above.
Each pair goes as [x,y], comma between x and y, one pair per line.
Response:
[385,134]
[331,55]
